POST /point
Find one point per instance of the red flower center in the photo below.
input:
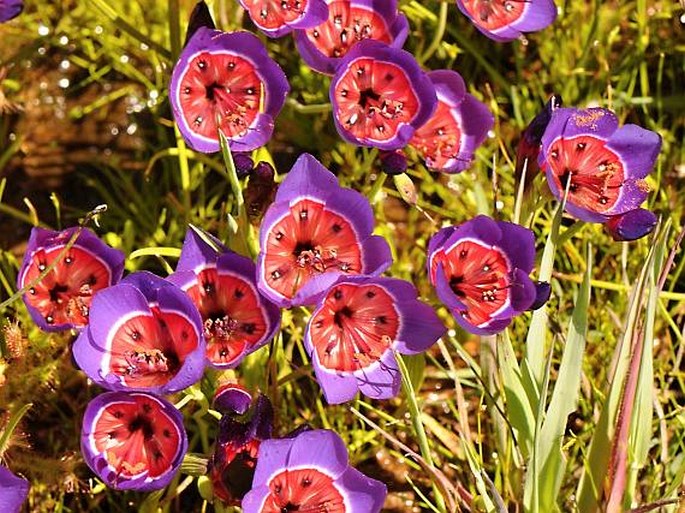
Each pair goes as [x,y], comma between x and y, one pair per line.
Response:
[303,490]
[220,90]
[596,172]
[345,26]
[232,479]
[495,14]
[273,14]
[233,317]
[136,436]
[354,327]
[147,350]
[310,240]
[64,295]
[479,276]
[439,140]
[374,99]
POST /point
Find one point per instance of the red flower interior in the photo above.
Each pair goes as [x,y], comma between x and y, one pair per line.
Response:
[273,14]
[232,479]
[303,490]
[495,14]
[64,295]
[439,140]
[220,90]
[374,98]
[345,26]
[147,350]
[595,171]
[479,276]
[136,436]
[233,317]
[354,327]
[310,240]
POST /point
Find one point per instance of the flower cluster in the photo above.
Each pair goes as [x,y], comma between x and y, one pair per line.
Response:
[144,337]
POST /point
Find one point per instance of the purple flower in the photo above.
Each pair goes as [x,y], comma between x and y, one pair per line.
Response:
[323,46]
[237,319]
[311,473]
[606,165]
[10,9]
[13,491]
[232,464]
[313,233]
[277,18]
[380,96]
[480,272]
[133,441]
[145,334]
[61,300]
[506,20]
[458,126]
[352,335]
[226,81]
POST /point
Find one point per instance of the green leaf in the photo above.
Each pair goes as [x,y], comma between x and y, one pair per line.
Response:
[519,409]
[591,482]
[547,463]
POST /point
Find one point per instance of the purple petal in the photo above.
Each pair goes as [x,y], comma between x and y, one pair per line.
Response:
[363,493]
[110,307]
[437,241]
[638,149]
[376,254]
[543,291]
[518,243]
[308,177]
[10,9]
[482,228]
[538,15]
[421,328]
[13,489]
[321,449]
[232,398]
[632,225]
[253,502]
[522,293]
[197,252]
[273,458]
[380,380]
[147,283]
[337,387]
[315,287]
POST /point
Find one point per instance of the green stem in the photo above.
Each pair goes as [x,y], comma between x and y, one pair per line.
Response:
[315,108]
[185,173]
[415,413]
[174,29]
[439,33]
